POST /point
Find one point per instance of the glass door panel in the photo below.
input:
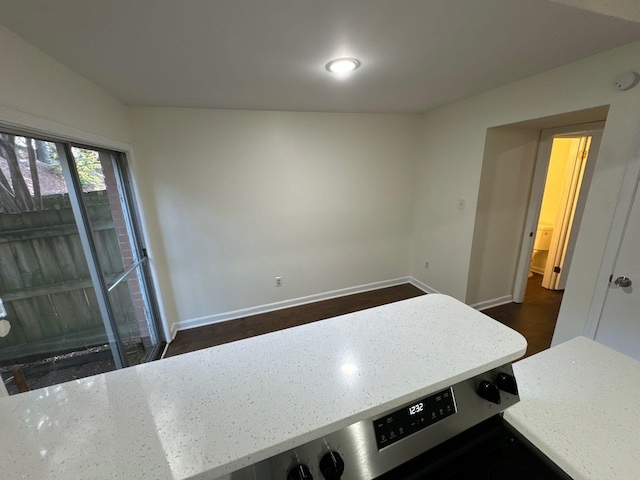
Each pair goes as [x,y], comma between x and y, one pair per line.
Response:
[53,331]
[121,260]
[134,319]
[73,277]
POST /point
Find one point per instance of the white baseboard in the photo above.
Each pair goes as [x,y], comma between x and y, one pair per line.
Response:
[174,330]
[270,307]
[495,302]
[422,286]
[537,270]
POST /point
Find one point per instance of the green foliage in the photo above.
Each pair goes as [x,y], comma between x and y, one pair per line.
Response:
[89,169]
[87,164]
[51,158]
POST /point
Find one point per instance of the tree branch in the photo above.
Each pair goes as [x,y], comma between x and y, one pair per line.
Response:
[8,200]
[35,180]
[20,189]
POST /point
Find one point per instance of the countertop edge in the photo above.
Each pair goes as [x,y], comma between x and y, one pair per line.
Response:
[578,406]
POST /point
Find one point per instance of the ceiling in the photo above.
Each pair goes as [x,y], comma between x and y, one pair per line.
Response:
[271,54]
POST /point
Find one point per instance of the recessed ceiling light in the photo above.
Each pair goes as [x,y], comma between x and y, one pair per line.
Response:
[343,65]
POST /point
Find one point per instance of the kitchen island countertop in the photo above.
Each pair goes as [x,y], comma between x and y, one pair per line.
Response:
[580,405]
[210,412]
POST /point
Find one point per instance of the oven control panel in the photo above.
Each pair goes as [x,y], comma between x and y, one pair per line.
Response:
[371,447]
[413,417]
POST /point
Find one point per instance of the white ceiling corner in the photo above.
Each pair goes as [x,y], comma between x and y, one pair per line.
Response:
[623,9]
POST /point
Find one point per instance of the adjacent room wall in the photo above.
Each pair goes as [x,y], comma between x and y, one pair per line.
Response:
[236,198]
[505,183]
[451,162]
[555,179]
[552,195]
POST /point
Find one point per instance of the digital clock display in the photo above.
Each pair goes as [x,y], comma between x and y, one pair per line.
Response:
[412,418]
[417,408]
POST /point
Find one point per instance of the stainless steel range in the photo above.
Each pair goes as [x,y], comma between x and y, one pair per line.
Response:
[455,433]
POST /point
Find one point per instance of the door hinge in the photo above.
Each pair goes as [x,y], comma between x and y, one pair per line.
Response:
[610,278]
[583,154]
[531,234]
[144,253]
[556,269]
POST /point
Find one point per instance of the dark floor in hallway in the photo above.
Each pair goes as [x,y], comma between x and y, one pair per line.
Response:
[535,318]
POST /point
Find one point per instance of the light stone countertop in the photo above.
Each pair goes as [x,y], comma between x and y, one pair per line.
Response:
[207,413]
[580,405]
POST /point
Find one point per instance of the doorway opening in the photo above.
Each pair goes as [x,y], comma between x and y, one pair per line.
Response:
[553,243]
[514,170]
[533,308]
[561,181]
[562,177]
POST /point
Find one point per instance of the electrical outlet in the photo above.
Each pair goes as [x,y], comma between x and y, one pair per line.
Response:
[278,281]
[426,265]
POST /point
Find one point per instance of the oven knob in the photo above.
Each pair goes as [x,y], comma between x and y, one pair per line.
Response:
[489,391]
[300,472]
[507,383]
[332,466]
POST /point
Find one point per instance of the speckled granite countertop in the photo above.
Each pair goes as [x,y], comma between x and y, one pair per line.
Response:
[207,413]
[580,405]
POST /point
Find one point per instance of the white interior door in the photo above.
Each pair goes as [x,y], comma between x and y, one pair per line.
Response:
[593,151]
[559,257]
[619,325]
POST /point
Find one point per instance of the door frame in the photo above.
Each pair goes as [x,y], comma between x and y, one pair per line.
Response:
[535,197]
[628,191]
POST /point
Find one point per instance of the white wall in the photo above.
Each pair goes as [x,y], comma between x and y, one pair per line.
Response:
[236,198]
[509,158]
[451,161]
[40,93]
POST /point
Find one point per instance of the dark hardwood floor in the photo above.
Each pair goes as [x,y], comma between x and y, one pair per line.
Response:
[224,332]
[535,318]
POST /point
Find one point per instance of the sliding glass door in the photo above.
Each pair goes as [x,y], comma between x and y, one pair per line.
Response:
[74,277]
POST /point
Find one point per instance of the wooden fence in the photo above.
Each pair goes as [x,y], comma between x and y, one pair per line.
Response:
[46,286]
